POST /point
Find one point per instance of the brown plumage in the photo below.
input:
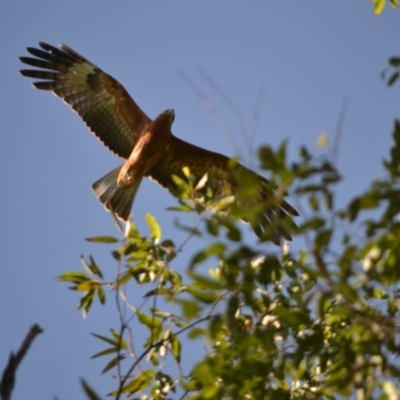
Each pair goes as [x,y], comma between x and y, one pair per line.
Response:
[149,146]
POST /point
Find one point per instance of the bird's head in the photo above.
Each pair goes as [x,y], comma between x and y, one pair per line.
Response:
[165,119]
[171,115]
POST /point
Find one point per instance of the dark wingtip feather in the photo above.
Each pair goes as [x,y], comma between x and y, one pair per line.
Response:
[43,85]
[46,46]
[25,72]
[31,73]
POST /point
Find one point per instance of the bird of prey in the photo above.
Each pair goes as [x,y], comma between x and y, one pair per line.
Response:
[149,147]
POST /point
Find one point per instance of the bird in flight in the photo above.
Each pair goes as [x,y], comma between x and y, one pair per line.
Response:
[149,147]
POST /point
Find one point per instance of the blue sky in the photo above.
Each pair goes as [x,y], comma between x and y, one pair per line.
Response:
[308,57]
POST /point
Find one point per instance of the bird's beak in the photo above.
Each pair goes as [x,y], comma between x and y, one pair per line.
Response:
[171,114]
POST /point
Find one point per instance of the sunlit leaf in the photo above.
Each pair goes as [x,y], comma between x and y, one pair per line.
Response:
[190,309]
[140,382]
[205,296]
[87,285]
[205,281]
[379,6]
[120,340]
[149,320]
[182,208]
[73,276]
[155,230]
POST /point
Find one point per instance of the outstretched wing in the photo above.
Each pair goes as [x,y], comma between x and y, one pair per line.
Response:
[258,202]
[102,102]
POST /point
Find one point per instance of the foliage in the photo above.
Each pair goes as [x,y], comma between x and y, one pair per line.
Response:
[393,70]
[379,5]
[313,320]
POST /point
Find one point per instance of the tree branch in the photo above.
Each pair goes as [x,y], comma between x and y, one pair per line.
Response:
[8,378]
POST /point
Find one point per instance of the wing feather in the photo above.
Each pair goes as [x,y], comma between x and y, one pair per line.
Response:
[101,102]
[258,201]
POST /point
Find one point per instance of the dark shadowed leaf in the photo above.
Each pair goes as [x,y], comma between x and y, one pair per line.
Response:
[176,347]
[113,363]
[102,239]
[91,394]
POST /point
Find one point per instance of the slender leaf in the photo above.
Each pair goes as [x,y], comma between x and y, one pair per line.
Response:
[155,230]
[102,239]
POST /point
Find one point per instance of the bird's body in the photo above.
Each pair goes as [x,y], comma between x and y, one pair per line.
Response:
[149,147]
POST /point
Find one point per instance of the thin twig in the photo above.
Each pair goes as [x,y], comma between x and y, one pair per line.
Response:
[339,130]
[231,104]
[256,119]
[211,109]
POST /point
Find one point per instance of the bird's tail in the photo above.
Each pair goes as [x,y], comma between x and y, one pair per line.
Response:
[115,198]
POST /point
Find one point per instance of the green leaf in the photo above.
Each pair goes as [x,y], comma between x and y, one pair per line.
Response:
[215,249]
[91,394]
[95,268]
[87,285]
[149,320]
[119,339]
[101,295]
[205,296]
[106,339]
[105,352]
[153,292]
[86,301]
[323,238]
[124,278]
[181,208]
[379,6]
[91,267]
[216,326]
[73,276]
[380,293]
[102,239]
[140,382]
[155,230]
[204,281]
[114,362]
[190,309]
[368,201]
[394,61]
[393,78]
[176,347]
[182,188]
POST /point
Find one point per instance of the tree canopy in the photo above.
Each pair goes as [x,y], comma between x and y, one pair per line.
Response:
[316,319]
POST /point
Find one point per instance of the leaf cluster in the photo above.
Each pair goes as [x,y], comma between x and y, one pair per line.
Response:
[314,320]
